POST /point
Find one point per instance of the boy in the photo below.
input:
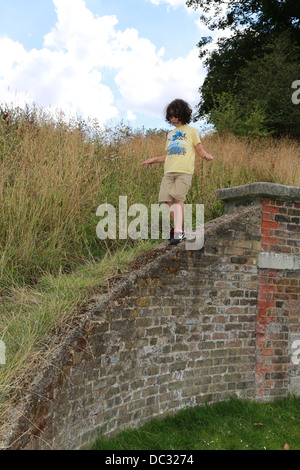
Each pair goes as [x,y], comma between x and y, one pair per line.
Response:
[182,145]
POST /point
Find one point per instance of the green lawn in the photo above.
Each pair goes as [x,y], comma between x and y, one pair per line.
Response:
[232,425]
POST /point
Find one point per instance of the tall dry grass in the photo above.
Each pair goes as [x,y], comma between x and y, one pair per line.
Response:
[243,160]
[49,177]
[53,176]
[239,161]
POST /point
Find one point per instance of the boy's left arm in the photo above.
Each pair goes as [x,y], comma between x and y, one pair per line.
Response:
[202,153]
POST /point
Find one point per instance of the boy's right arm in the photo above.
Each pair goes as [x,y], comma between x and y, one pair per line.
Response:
[154,160]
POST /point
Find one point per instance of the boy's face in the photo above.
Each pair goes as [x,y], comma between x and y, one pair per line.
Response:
[174,120]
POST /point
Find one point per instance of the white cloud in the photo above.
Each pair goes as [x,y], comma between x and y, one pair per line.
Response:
[130,116]
[68,72]
[11,53]
[151,84]
[172,3]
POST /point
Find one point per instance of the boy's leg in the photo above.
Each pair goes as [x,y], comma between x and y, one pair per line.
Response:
[182,184]
[176,209]
[166,187]
[173,192]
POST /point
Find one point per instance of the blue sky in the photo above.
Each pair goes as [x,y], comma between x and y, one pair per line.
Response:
[108,60]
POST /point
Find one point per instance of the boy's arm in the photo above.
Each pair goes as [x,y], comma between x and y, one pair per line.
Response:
[154,160]
[202,153]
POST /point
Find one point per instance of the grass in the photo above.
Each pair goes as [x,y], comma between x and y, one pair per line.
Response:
[231,425]
[31,316]
[54,174]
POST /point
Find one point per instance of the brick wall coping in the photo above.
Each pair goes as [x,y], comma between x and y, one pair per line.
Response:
[257,190]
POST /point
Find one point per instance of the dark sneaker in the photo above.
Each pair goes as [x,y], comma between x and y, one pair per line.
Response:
[171,234]
[178,237]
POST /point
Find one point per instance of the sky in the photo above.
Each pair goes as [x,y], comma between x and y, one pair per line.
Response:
[111,61]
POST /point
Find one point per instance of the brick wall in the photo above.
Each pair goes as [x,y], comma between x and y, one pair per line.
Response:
[278,296]
[278,304]
[182,328]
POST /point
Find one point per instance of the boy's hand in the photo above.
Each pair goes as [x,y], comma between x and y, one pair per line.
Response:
[154,160]
[208,157]
[147,162]
[202,153]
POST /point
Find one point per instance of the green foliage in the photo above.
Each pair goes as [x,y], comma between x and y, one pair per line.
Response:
[268,79]
[229,115]
[258,15]
[257,65]
[259,101]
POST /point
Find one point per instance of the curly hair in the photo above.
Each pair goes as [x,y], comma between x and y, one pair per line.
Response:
[179,109]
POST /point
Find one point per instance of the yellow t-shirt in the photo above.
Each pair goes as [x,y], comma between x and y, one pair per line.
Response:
[180,149]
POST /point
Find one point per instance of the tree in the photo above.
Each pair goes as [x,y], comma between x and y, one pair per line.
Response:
[259,15]
[268,80]
[258,63]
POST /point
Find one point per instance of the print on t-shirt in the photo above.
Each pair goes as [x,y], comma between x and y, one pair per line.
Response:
[180,149]
[178,144]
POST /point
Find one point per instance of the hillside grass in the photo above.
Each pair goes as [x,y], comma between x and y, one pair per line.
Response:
[54,174]
[230,425]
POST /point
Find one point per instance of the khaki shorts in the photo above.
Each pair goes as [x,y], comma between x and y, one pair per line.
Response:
[174,186]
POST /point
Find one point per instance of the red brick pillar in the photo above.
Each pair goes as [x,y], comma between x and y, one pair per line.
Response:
[266,303]
[278,285]
[278,305]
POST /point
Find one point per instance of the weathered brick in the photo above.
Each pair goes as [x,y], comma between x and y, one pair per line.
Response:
[185,328]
